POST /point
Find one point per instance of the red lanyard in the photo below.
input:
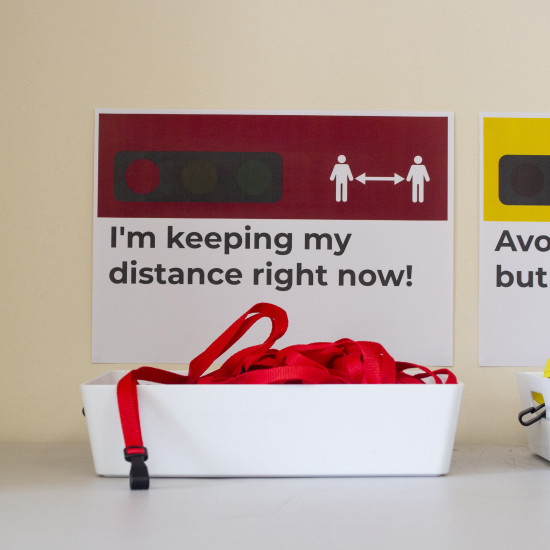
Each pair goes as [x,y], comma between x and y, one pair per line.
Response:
[342,362]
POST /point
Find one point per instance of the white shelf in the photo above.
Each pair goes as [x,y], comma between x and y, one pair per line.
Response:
[493,497]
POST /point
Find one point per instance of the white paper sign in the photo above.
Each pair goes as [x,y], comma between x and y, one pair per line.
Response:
[344,220]
[514,292]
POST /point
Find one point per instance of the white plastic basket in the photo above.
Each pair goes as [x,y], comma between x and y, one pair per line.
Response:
[278,430]
[538,434]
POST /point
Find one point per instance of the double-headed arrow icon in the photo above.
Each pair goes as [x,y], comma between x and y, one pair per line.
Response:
[363,178]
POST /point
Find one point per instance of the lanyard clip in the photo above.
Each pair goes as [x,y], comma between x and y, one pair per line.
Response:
[532,410]
[139,475]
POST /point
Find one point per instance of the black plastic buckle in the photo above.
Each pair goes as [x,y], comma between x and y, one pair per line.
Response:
[532,410]
[139,475]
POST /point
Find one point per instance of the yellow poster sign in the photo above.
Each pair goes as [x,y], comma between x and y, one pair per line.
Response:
[516,168]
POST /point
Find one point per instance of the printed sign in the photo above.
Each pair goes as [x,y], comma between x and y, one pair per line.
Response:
[514,300]
[344,220]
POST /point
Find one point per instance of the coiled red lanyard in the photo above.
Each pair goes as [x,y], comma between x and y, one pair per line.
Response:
[342,362]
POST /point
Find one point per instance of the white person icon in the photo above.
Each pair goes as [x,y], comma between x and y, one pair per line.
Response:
[342,174]
[418,174]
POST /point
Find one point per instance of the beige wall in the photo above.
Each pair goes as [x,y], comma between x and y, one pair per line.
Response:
[60,59]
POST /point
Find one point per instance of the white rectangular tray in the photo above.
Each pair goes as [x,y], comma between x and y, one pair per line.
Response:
[538,434]
[278,430]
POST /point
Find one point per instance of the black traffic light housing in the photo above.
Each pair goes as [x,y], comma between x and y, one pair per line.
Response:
[197,176]
[524,180]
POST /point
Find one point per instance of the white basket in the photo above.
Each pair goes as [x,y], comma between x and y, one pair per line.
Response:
[538,434]
[278,430]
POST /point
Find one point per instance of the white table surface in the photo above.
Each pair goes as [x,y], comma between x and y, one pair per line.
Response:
[493,497]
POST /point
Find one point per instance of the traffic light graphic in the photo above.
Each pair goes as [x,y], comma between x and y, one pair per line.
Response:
[188,176]
[524,180]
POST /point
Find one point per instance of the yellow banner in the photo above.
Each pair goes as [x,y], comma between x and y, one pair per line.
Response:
[516,169]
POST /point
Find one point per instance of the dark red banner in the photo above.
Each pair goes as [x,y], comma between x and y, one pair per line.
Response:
[372,167]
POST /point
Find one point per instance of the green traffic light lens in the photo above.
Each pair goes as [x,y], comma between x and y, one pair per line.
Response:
[254,177]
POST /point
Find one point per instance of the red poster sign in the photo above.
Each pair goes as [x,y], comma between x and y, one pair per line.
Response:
[254,166]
